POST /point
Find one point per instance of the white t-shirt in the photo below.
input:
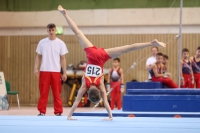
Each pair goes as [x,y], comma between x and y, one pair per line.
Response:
[150,61]
[51,50]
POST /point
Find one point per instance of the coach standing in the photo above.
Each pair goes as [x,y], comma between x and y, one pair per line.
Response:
[151,60]
[51,53]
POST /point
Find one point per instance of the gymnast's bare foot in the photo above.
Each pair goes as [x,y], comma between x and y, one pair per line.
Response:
[157,43]
[62,10]
[107,119]
[69,118]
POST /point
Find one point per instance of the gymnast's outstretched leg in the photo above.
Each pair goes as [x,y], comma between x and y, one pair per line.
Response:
[112,52]
[85,43]
[117,51]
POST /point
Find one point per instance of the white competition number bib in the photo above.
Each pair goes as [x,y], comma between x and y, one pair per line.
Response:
[93,70]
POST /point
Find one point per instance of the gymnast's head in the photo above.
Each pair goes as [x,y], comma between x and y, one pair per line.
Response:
[94,94]
[159,57]
[198,52]
[165,59]
[51,30]
[185,53]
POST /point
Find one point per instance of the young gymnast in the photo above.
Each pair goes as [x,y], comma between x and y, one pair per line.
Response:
[187,78]
[93,79]
[158,75]
[195,64]
[116,82]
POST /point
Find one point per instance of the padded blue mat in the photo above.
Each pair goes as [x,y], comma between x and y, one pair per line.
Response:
[143,85]
[120,113]
[163,91]
[54,124]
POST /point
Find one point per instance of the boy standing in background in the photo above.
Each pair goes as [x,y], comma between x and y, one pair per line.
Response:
[195,65]
[116,82]
[187,79]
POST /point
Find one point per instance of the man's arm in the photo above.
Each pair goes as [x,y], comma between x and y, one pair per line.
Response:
[37,64]
[148,65]
[63,65]
[81,37]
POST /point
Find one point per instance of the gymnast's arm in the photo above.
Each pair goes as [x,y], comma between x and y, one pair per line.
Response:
[122,75]
[181,73]
[191,72]
[108,81]
[105,100]
[122,80]
[181,67]
[81,91]
[109,76]
[155,71]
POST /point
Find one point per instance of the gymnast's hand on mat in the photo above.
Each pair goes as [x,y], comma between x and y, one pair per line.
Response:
[36,72]
[62,10]
[69,118]
[157,43]
[107,119]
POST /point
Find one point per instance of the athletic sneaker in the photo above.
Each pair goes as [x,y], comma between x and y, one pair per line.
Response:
[41,114]
[58,114]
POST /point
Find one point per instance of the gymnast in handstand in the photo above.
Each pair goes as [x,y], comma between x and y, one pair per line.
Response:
[93,79]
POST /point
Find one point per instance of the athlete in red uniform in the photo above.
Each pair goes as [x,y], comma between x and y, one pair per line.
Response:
[94,68]
[157,73]
[195,64]
[187,78]
[93,80]
[116,82]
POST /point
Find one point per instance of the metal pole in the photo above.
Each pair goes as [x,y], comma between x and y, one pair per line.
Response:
[180,43]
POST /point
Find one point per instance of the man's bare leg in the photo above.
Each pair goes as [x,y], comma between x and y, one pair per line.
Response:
[85,43]
[117,51]
[81,91]
[105,100]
